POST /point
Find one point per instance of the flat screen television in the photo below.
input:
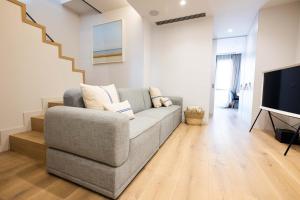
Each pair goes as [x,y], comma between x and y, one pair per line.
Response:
[281,91]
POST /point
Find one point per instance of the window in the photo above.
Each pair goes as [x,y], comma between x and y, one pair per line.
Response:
[223,84]
[224,74]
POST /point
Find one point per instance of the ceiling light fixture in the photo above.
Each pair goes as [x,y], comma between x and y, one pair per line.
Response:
[229,30]
[182,2]
[153,13]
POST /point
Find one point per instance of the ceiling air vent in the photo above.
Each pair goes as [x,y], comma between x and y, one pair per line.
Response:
[169,21]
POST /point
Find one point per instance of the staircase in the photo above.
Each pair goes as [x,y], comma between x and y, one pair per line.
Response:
[32,143]
[27,48]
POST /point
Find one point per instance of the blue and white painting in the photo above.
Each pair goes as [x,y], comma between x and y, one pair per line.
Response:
[107,43]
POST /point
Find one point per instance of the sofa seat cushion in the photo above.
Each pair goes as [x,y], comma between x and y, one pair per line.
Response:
[158,113]
[140,124]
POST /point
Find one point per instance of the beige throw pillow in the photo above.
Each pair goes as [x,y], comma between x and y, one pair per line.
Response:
[95,97]
[155,97]
[123,108]
[166,101]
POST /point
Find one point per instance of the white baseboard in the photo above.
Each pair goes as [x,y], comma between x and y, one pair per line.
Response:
[26,126]
[4,137]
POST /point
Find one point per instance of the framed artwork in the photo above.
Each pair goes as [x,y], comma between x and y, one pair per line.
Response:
[108,43]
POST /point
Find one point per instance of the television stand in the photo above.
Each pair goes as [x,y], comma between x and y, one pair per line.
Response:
[272,122]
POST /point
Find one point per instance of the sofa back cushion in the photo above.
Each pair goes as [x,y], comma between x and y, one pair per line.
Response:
[139,99]
[73,98]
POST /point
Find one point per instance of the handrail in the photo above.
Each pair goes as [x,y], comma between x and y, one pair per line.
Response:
[32,19]
[47,35]
[92,6]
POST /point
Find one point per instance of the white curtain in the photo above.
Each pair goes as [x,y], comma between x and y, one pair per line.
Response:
[236,62]
[223,82]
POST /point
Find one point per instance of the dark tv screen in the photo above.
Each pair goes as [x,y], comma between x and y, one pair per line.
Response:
[281,90]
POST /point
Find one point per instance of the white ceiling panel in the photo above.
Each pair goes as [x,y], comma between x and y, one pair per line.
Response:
[234,15]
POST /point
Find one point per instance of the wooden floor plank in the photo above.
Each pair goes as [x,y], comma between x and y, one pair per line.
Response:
[218,161]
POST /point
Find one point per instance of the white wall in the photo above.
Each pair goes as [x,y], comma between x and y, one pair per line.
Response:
[30,71]
[148,31]
[62,24]
[182,60]
[213,80]
[278,33]
[127,74]
[298,47]
[247,75]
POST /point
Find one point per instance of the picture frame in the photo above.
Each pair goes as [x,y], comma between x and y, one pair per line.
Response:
[108,42]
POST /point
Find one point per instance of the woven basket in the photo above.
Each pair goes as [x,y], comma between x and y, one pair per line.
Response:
[194,116]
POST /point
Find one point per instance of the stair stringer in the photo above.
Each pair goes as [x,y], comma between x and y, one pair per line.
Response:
[27,75]
[44,37]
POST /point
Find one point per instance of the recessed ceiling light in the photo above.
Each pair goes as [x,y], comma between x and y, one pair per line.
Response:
[182,2]
[229,30]
[153,13]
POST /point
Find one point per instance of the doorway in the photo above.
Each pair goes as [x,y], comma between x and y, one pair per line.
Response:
[233,77]
[227,81]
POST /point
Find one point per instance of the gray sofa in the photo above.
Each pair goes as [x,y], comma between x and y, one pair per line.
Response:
[102,150]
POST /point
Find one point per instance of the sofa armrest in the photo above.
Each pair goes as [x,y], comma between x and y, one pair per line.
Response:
[102,136]
[176,100]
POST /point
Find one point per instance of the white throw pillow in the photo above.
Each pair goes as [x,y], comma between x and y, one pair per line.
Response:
[166,101]
[96,97]
[155,97]
[122,107]
[111,92]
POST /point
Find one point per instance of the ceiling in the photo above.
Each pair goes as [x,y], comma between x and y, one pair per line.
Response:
[106,5]
[81,8]
[237,15]
[278,2]
[77,6]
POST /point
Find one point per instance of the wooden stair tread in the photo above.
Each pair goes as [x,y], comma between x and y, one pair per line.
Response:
[55,103]
[31,144]
[58,102]
[32,136]
[42,117]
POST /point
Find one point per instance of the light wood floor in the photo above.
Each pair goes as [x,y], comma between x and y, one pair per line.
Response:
[219,161]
